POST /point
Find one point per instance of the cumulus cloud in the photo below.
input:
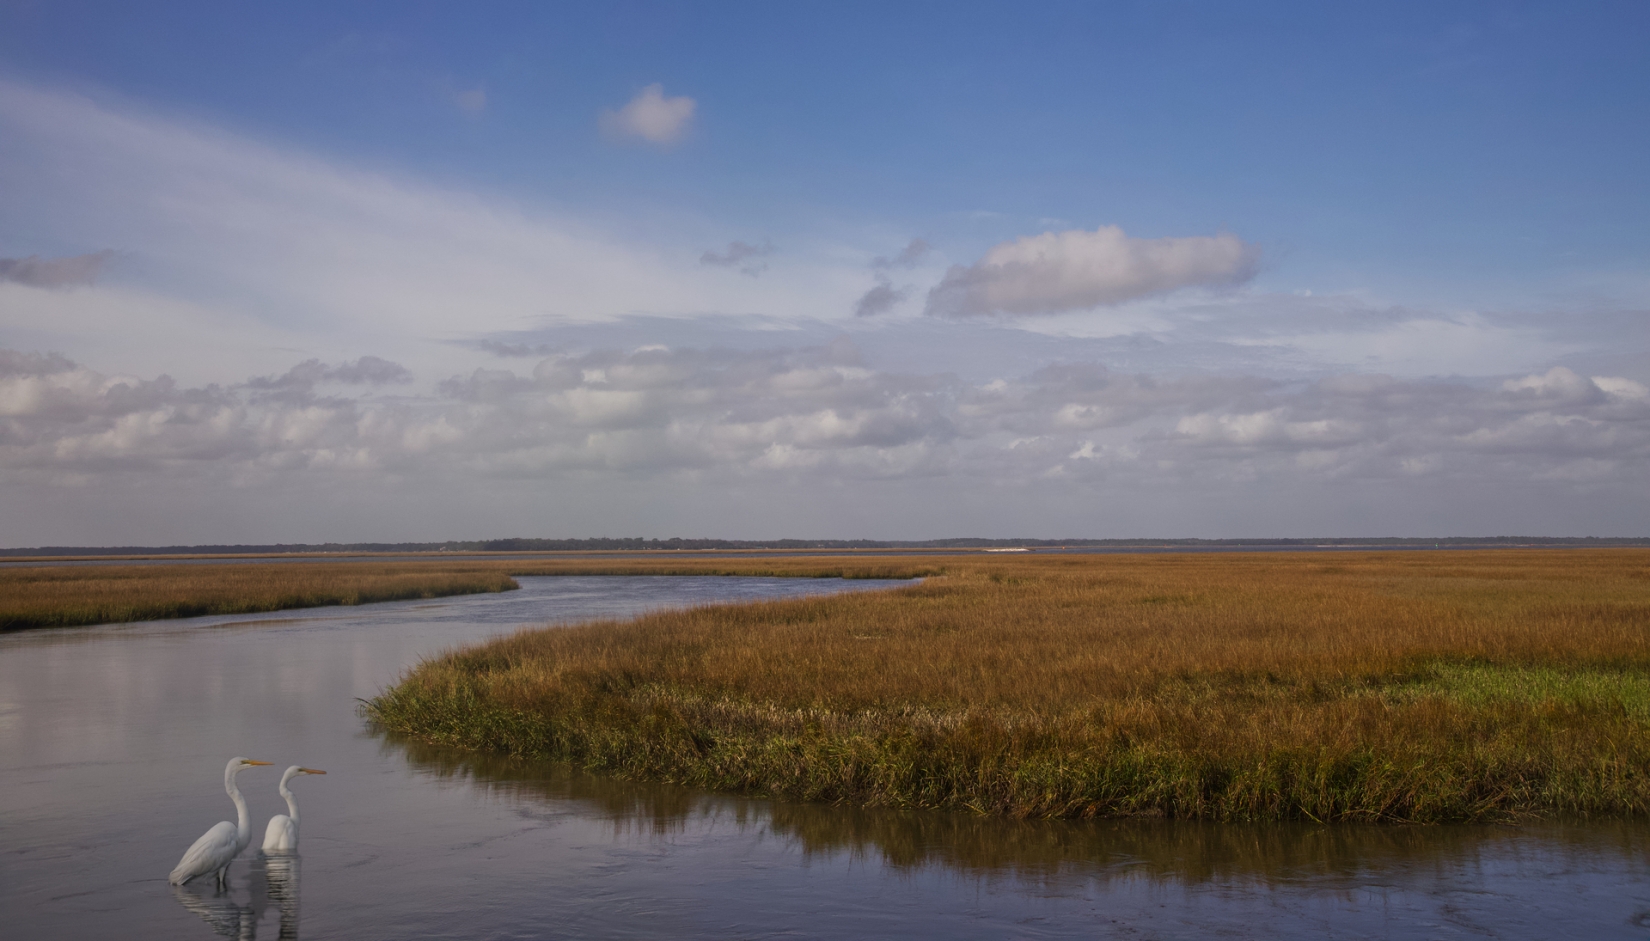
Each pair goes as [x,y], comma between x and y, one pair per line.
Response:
[1077,270]
[814,414]
[749,259]
[646,411]
[1541,426]
[650,117]
[35,271]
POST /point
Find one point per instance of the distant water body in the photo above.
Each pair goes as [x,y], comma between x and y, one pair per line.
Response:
[113,739]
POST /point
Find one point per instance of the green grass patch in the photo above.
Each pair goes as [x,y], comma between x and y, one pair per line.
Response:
[1624,692]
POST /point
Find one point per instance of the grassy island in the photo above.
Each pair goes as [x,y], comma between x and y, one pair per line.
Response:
[1398,686]
[71,595]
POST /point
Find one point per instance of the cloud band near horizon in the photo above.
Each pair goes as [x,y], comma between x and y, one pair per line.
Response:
[815,414]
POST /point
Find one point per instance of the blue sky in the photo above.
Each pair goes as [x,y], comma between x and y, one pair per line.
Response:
[1229,217]
[1455,149]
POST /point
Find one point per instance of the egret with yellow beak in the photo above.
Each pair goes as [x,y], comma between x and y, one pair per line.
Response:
[281,836]
[219,846]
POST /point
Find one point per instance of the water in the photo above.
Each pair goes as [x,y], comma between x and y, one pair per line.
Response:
[113,740]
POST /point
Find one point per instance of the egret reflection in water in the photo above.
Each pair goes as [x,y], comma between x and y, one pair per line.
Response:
[220,905]
[235,913]
[282,874]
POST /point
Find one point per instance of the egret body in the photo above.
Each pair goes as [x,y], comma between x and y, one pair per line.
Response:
[281,836]
[219,846]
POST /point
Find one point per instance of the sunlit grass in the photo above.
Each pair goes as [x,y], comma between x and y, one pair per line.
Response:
[1386,686]
[1580,689]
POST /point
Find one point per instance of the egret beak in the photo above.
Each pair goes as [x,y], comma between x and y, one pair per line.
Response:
[311,771]
[249,761]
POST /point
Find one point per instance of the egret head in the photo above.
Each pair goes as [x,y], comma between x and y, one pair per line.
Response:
[241,764]
[296,770]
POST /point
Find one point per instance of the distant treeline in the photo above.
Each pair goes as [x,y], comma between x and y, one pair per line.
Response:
[606,544]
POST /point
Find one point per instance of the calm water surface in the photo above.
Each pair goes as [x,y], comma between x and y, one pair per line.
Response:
[113,741]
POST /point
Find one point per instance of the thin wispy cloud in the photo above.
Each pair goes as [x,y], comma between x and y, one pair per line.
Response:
[73,271]
[913,252]
[747,258]
[650,117]
[239,240]
[509,350]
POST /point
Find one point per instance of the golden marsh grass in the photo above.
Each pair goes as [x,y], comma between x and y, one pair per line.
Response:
[68,595]
[1415,686]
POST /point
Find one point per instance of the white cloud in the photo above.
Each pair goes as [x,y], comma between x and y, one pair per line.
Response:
[735,414]
[731,426]
[651,117]
[1557,382]
[1622,388]
[1078,270]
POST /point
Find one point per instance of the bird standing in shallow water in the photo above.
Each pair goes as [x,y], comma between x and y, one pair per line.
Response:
[219,846]
[281,836]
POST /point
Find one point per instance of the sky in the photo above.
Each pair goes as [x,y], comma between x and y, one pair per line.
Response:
[412,271]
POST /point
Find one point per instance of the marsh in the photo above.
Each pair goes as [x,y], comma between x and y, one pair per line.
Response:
[112,740]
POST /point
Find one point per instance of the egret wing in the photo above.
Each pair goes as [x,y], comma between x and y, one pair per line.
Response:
[211,852]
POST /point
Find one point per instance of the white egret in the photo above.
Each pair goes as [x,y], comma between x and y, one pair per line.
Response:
[219,846]
[281,836]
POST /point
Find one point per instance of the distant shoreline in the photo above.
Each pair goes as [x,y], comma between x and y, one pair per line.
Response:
[606,545]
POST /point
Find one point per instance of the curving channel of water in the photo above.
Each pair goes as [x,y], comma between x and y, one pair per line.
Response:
[113,739]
